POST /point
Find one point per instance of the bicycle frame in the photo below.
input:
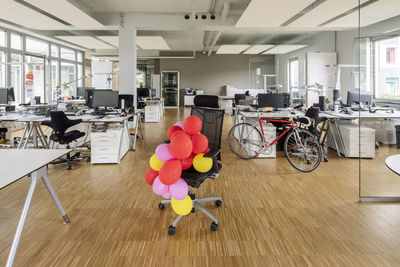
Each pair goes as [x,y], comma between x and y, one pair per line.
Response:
[260,120]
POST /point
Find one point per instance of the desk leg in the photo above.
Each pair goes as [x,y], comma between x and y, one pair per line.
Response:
[23,135]
[136,132]
[41,173]
[334,137]
[29,135]
[141,124]
[42,137]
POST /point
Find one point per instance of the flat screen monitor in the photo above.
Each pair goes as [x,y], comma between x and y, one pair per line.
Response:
[105,98]
[81,91]
[271,100]
[89,97]
[10,93]
[143,92]
[354,97]
[128,101]
[3,96]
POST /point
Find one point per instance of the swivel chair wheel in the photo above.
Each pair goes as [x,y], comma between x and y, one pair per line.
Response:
[213,226]
[326,160]
[218,203]
[193,210]
[161,206]
[88,159]
[171,230]
[69,167]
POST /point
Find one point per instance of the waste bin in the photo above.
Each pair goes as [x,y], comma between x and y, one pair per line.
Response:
[397,127]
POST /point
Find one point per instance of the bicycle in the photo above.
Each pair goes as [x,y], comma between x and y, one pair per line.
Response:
[301,147]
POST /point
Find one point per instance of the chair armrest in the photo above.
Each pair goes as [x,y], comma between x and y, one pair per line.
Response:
[74,122]
[166,141]
[212,153]
[46,123]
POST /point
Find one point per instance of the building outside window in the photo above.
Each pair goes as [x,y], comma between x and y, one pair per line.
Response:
[294,73]
[68,74]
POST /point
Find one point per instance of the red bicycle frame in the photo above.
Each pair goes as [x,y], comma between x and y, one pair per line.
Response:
[282,134]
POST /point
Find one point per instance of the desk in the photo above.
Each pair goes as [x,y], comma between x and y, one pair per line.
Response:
[393,163]
[153,110]
[34,164]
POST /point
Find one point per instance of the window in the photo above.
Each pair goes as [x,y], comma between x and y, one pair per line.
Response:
[54,75]
[67,53]
[293,73]
[35,65]
[79,56]
[37,47]
[80,74]
[2,69]
[16,76]
[386,72]
[3,38]
[68,75]
[54,51]
[16,41]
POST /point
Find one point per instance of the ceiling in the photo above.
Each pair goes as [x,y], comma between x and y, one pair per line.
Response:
[93,24]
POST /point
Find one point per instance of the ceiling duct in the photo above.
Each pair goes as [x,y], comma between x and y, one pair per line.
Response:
[224,14]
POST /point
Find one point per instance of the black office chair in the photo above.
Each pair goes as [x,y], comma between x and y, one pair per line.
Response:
[60,123]
[313,114]
[207,109]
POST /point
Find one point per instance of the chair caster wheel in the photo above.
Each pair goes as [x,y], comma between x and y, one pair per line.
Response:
[213,226]
[171,230]
[218,203]
[88,159]
[308,161]
[326,160]
[161,206]
[193,210]
[69,168]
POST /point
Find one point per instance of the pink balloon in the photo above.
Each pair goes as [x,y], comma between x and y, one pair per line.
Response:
[159,188]
[180,124]
[179,190]
[163,153]
[167,195]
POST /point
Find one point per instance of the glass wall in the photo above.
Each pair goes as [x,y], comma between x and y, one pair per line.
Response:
[21,54]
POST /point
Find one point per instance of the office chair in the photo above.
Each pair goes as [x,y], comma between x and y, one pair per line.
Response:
[60,123]
[206,107]
[313,114]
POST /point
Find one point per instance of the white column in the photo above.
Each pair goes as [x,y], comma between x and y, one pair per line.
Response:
[127,61]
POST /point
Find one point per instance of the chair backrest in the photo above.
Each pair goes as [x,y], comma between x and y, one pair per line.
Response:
[212,120]
[313,113]
[60,122]
[207,101]
[239,97]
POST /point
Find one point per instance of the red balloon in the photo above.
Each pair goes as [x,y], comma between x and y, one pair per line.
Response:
[192,125]
[150,175]
[207,150]
[200,143]
[170,172]
[176,133]
[181,146]
[187,163]
[172,130]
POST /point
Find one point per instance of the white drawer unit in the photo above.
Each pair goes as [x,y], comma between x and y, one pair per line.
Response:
[152,113]
[353,136]
[270,135]
[188,100]
[109,146]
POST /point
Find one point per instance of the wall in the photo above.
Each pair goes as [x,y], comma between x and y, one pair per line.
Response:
[321,42]
[210,73]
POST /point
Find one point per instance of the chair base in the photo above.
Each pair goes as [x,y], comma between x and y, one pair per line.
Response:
[70,159]
[196,204]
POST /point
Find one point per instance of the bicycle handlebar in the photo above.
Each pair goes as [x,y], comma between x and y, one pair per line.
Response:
[307,118]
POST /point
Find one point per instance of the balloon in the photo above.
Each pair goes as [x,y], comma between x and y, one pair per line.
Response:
[192,125]
[170,172]
[174,134]
[172,130]
[182,207]
[202,164]
[187,163]
[181,125]
[207,150]
[150,176]
[181,146]
[179,190]
[155,163]
[200,143]
[159,188]
[167,195]
[163,153]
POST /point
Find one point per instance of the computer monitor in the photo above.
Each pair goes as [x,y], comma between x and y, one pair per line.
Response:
[3,96]
[105,98]
[354,97]
[128,101]
[81,91]
[10,93]
[271,100]
[143,92]
[89,97]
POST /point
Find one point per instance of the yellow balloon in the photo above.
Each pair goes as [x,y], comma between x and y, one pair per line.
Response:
[182,207]
[202,164]
[155,163]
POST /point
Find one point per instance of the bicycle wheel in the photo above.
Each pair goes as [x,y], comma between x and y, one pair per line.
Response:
[244,140]
[302,150]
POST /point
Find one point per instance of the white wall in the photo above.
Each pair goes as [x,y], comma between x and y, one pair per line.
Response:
[210,73]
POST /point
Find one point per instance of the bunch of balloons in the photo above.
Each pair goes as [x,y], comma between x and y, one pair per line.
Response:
[186,149]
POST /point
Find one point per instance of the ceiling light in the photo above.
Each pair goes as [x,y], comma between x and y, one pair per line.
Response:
[257,49]
[66,11]
[19,14]
[231,49]
[86,41]
[270,13]
[152,43]
[283,49]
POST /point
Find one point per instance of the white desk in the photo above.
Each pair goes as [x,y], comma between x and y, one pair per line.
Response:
[393,163]
[16,164]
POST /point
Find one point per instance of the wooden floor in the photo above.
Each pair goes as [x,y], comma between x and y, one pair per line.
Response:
[271,215]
